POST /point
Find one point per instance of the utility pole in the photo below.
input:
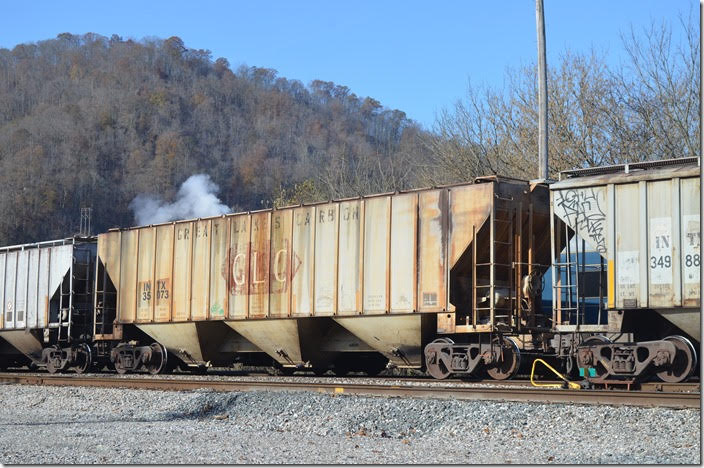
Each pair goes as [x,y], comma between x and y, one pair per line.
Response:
[542,92]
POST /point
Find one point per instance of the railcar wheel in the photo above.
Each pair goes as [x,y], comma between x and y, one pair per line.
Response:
[596,340]
[157,362]
[84,359]
[510,360]
[120,366]
[54,364]
[684,363]
[51,366]
[437,358]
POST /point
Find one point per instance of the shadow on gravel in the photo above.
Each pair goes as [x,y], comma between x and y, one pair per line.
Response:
[201,410]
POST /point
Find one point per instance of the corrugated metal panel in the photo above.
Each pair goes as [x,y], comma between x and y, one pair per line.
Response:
[238,278]
[584,209]
[431,250]
[33,288]
[10,277]
[404,217]
[349,282]
[2,289]
[43,289]
[303,261]
[627,258]
[128,276]
[660,244]
[21,289]
[690,241]
[326,227]
[280,277]
[183,247]
[200,277]
[259,266]
[145,274]
[218,268]
[376,254]
[163,264]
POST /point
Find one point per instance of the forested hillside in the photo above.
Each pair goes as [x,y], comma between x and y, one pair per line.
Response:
[91,121]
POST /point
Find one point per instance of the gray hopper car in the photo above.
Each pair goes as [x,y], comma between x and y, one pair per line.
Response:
[46,299]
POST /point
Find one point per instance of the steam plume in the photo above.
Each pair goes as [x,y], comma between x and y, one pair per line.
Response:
[195,199]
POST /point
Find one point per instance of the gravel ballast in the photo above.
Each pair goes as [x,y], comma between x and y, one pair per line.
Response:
[60,425]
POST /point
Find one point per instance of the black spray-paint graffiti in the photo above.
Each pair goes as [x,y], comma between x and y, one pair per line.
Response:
[581,211]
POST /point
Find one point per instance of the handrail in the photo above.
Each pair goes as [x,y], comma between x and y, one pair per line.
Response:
[572,385]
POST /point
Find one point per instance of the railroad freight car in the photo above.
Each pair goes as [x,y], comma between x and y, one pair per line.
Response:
[349,284]
[46,299]
[450,280]
[625,281]
[643,222]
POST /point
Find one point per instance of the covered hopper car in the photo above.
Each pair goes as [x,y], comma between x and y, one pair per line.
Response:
[596,271]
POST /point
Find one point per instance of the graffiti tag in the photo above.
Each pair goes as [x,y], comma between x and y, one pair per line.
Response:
[581,210]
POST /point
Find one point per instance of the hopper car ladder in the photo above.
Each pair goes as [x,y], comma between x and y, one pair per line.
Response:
[501,239]
[570,307]
[75,297]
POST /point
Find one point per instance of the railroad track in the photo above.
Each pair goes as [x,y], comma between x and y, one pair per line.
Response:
[682,396]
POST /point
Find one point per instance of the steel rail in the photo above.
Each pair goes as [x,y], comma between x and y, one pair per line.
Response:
[653,386]
[603,397]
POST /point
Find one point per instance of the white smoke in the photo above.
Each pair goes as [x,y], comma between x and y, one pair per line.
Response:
[195,199]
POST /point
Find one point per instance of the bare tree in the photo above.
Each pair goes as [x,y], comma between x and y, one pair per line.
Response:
[646,109]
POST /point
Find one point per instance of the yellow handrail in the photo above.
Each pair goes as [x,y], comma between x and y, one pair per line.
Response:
[572,385]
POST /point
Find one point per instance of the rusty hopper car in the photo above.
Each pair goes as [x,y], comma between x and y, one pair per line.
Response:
[349,284]
[46,299]
[643,221]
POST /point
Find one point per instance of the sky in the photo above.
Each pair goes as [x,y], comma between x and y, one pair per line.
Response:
[415,56]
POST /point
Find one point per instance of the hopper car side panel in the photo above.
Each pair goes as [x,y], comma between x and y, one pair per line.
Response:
[404,219]
[349,273]
[432,288]
[690,232]
[182,253]
[200,277]
[218,272]
[237,271]
[327,221]
[163,273]
[259,258]
[10,281]
[376,255]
